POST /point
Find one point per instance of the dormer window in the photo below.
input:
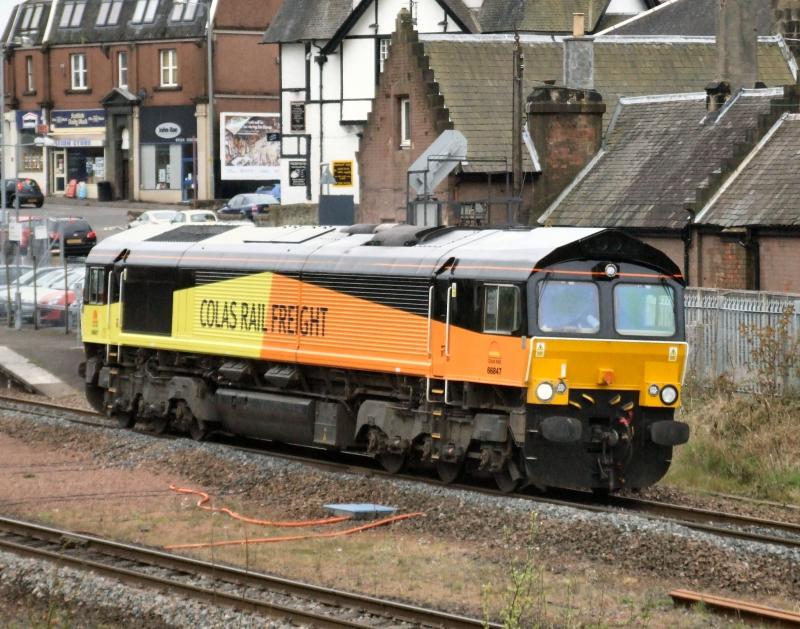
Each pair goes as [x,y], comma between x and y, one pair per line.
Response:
[184,10]
[72,14]
[108,14]
[145,11]
[31,17]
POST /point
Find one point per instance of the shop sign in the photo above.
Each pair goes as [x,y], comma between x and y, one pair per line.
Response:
[298,174]
[167,125]
[78,141]
[28,120]
[62,119]
[298,116]
[343,173]
[250,146]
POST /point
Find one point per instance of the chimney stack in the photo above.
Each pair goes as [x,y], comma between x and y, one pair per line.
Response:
[578,25]
[786,22]
[737,44]
[579,56]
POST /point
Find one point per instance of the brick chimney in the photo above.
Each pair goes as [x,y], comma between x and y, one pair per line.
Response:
[737,44]
[567,130]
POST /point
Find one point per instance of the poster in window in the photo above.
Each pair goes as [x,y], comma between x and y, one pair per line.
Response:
[298,174]
[343,173]
[250,146]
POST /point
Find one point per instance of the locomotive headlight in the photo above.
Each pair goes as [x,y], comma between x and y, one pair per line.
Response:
[669,394]
[545,391]
[653,390]
[611,271]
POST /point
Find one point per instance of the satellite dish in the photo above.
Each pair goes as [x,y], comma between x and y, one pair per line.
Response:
[438,161]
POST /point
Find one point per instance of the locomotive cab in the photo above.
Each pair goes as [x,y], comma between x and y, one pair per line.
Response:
[607,362]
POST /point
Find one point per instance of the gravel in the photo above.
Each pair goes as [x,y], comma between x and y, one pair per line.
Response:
[494,526]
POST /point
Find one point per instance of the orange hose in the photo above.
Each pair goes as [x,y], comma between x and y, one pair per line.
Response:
[204,498]
[294,538]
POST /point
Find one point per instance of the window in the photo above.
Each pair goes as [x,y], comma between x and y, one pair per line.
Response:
[169,67]
[405,122]
[26,19]
[122,69]
[108,14]
[77,64]
[572,307]
[501,313]
[644,310]
[384,43]
[72,14]
[30,86]
[145,11]
[95,292]
[184,10]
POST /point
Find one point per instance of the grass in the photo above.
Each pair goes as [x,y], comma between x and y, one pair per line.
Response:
[741,443]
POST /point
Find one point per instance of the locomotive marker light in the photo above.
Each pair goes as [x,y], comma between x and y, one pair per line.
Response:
[669,394]
[653,390]
[611,271]
[561,387]
[545,391]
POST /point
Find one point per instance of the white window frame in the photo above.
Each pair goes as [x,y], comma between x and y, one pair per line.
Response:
[405,122]
[72,15]
[26,19]
[122,69]
[384,45]
[108,13]
[183,10]
[30,84]
[145,11]
[169,67]
[78,71]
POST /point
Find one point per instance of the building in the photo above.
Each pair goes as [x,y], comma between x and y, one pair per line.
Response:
[332,53]
[120,89]
[465,83]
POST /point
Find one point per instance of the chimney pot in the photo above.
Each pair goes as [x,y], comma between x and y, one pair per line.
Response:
[578,25]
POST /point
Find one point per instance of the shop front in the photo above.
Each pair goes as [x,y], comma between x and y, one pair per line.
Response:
[77,153]
[29,157]
[167,137]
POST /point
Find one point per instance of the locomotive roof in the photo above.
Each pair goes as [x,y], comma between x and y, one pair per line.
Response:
[402,250]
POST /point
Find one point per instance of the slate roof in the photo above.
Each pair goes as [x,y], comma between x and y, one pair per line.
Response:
[688,18]
[474,77]
[657,153]
[543,16]
[765,189]
[124,30]
[304,20]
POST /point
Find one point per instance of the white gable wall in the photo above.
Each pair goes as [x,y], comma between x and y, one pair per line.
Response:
[626,6]
[348,87]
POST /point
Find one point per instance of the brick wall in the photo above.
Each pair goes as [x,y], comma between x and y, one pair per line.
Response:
[780,263]
[382,162]
[673,247]
[724,263]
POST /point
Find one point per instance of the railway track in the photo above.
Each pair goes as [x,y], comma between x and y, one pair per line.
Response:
[713,522]
[219,584]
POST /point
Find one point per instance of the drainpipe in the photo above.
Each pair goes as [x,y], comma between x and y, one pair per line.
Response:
[210,106]
[754,250]
[687,242]
[321,59]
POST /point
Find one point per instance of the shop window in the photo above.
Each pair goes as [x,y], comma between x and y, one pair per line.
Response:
[77,64]
[169,67]
[30,156]
[72,14]
[86,164]
[30,86]
[405,122]
[108,14]
[161,166]
[502,313]
[122,69]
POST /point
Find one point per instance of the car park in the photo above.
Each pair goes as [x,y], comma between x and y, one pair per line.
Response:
[248,205]
[26,189]
[154,217]
[49,289]
[79,237]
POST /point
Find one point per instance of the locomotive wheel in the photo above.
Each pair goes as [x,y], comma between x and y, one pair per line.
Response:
[198,429]
[505,483]
[96,397]
[159,425]
[391,462]
[448,472]
[125,420]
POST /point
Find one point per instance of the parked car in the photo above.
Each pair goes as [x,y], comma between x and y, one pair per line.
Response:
[248,205]
[53,303]
[195,216]
[79,237]
[8,291]
[26,189]
[274,190]
[154,217]
[48,284]
[9,274]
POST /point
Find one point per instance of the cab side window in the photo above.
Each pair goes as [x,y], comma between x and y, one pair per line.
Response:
[502,309]
[95,291]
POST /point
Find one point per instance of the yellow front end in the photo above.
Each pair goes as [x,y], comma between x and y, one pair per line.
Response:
[646,367]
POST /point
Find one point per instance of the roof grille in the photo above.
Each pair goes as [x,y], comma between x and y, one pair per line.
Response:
[191,233]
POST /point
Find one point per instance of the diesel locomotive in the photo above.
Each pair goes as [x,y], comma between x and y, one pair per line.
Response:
[547,356]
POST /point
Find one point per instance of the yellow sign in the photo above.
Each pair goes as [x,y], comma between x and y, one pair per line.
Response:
[343,174]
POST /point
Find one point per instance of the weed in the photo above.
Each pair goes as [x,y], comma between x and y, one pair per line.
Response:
[774,354]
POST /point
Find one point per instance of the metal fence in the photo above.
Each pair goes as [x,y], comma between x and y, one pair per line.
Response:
[716,322]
